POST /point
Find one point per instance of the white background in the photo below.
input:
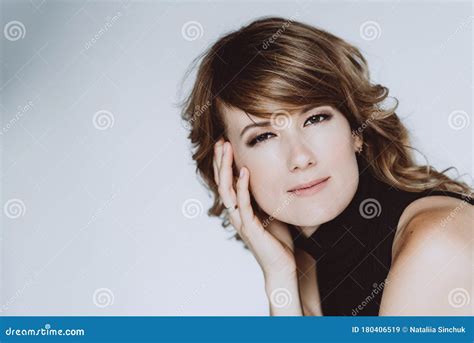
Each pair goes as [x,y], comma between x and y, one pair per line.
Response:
[100,228]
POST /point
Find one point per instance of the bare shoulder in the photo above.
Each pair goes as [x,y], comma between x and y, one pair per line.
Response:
[448,217]
[431,264]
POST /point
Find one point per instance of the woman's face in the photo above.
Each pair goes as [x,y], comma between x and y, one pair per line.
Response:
[288,151]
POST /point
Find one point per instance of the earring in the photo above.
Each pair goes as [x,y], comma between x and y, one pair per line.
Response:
[359,150]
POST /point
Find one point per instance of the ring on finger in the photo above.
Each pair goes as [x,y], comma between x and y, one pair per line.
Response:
[231,208]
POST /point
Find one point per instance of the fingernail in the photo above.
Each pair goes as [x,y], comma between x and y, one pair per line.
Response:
[241,172]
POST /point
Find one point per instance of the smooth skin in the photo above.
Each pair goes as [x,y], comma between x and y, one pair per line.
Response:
[430,255]
[306,144]
[271,246]
[432,265]
[432,258]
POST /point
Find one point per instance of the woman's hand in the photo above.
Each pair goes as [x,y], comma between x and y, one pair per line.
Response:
[272,245]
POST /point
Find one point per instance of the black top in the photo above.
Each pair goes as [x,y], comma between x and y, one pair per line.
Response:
[353,251]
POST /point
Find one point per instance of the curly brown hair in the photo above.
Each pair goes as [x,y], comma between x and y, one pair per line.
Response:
[277,60]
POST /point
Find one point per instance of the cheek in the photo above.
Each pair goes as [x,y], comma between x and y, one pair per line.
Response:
[263,179]
[261,176]
[238,162]
[334,146]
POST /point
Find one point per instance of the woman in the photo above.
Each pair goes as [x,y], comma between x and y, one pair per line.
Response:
[316,175]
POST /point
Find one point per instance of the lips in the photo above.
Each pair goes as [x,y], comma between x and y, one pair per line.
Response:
[309,184]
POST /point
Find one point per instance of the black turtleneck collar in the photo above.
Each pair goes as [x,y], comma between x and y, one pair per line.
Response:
[353,251]
[363,209]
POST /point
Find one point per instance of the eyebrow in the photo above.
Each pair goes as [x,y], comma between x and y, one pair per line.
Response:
[259,124]
[268,123]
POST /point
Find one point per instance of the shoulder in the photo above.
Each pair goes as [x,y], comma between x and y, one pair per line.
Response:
[431,259]
[440,215]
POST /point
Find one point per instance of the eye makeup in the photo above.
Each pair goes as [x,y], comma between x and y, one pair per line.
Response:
[312,119]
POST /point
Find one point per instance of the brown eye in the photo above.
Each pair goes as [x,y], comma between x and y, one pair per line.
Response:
[316,118]
[260,138]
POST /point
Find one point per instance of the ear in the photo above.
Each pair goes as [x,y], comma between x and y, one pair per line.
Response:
[358,141]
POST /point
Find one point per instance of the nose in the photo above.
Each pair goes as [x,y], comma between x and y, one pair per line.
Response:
[300,155]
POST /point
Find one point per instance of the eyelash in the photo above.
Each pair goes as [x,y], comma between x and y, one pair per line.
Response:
[257,140]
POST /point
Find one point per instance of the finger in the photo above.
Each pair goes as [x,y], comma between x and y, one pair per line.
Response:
[216,158]
[234,218]
[216,171]
[225,176]
[245,207]
[226,188]
[219,149]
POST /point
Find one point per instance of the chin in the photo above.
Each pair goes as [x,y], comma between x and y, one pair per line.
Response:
[307,216]
[303,218]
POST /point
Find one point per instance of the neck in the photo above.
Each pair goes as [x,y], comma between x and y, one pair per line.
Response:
[308,230]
